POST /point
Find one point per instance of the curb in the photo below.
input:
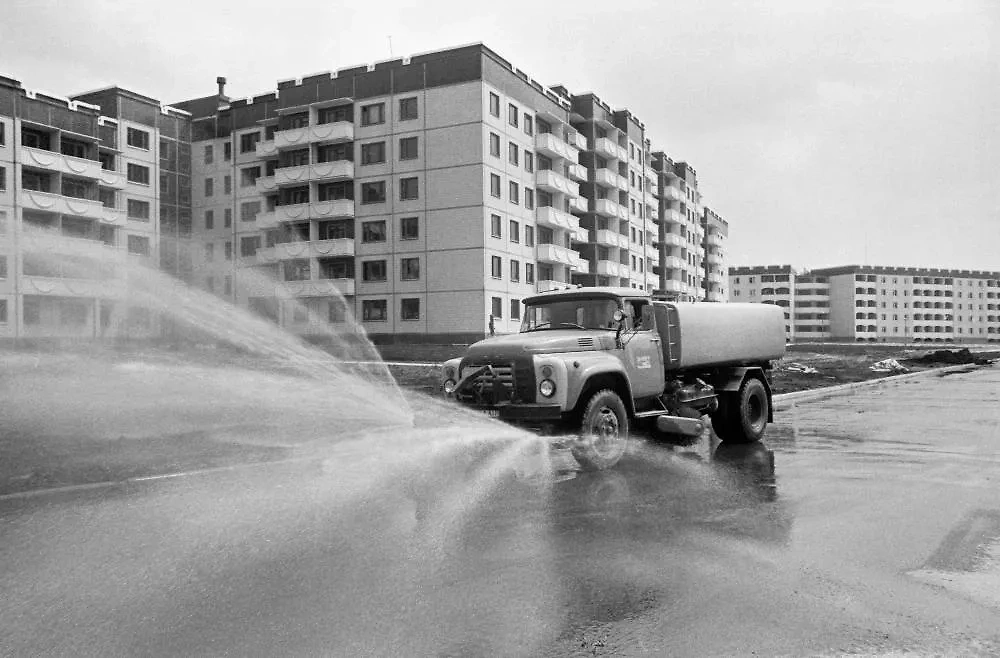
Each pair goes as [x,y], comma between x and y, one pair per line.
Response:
[814,393]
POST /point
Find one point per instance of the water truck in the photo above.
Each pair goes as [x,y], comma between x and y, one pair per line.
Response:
[601,360]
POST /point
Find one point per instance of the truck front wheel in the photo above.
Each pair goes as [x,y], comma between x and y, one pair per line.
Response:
[742,416]
[603,432]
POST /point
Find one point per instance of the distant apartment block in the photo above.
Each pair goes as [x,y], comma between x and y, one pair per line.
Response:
[877,304]
[107,173]
[418,197]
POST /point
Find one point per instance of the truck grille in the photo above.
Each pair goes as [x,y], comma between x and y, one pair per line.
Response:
[515,382]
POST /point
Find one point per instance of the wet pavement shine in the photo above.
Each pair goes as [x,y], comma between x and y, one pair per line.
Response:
[866,523]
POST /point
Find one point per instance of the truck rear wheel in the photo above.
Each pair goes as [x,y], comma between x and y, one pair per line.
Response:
[603,432]
[742,416]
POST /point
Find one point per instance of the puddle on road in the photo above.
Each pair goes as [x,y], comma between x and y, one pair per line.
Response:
[968,561]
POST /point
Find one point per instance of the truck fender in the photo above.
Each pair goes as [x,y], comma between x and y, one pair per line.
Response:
[730,380]
[582,370]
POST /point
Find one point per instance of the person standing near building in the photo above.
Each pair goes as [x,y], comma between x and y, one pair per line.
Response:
[492,328]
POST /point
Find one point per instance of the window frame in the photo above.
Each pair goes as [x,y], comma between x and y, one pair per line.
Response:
[405,104]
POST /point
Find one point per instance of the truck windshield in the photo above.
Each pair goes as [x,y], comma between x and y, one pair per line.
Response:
[570,314]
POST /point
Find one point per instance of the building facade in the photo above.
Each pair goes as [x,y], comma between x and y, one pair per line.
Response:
[94,173]
[716,280]
[420,199]
[863,303]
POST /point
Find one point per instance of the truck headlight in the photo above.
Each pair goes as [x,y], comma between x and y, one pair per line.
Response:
[547,388]
[449,386]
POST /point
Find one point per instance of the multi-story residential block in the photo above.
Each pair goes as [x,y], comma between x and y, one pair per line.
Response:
[93,172]
[715,282]
[681,232]
[877,304]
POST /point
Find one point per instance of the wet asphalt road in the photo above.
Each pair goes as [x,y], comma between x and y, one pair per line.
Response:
[867,523]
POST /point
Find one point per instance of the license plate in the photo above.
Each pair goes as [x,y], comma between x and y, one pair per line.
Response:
[492,413]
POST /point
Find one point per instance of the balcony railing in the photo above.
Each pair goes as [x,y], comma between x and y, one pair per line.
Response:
[57,162]
[606,207]
[266,184]
[314,249]
[550,181]
[611,238]
[611,268]
[551,253]
[557,219]
[606,148]
[578,204]
[320,287]
[554,147]
[605,177]
[580,266]
[49,202]
[111,178]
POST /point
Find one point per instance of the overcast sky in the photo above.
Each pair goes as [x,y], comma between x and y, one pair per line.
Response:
[825,132]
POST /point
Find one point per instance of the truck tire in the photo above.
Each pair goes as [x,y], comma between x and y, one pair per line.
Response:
[742,416]
[603,432]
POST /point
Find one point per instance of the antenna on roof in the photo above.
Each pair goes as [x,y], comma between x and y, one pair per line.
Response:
[389,37]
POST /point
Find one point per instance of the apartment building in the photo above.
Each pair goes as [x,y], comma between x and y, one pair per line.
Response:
[877,304]
[715,231]
[92,170]
[421,196]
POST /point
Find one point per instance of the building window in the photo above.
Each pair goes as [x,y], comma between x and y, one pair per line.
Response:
[515,231]
[373,114]
[209,252]
[529,124]
[497,307]
[529,198]
[138,244]
[408,148]
[249,210]
[227,151]
[373,231]
[529,161]
[496,226]
[249,246]
[529,273]
[409,269]
[373,153]
[3,133]
[228,218]
[494,105]
[409,228]
[373,192]
[374,310]
[249,176]
[3,267]
[515,271]
[209,220]
[248,142]
[137,138]
[515,307]
[409,189]
[209,154]
[373,270]
[3,306]
[529,236]
[495,145]
[407,109]
[495,185]
[336,191]
[297,270]
[512,153]
[512,114]
[409,309]
[496,267]
[3,177]
[515,193]
[137,174]
[137,209]
[229,252]
[227,183]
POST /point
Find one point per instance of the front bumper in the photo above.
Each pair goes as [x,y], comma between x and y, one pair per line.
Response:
[521,413]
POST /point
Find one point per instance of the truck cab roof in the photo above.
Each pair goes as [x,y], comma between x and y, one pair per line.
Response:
[600,292]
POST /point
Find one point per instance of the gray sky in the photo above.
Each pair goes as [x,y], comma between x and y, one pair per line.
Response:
[825,132]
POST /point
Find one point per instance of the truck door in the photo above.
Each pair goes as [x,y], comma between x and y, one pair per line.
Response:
[643,356]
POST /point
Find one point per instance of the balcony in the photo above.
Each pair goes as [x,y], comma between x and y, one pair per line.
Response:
[606,148]
[671,193]
[611,268]
[314,249]
[103,288]
[623,154]
[331,133]
[266,149]
[265,185]
[557,219]
[611,239]
[605,178]
[299,212]
[57,162]
[672,285]
[622,183]
[651,279]
[319,287]
[296,212]
[578,204]
[713,259]
[267,255]
[333,208]
[577,140]
[622,211]
[580,234]
[114,216]
[580,266]
[291,138]
[673,263]
[714,239]
[576,172]
[606,208]
[672,216]
[110,178]
[331,171]
[551,253]
[550,181]
[545,285]
[671,239]
[48,202]
[652,252]
[554,147]
[266,220]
